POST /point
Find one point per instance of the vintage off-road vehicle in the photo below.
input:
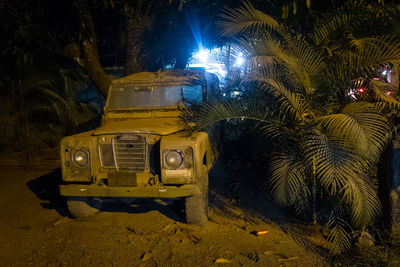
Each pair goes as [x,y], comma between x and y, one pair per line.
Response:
[142,148]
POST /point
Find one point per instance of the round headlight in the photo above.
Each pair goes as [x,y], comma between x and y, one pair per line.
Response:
[81,158]
[173,159]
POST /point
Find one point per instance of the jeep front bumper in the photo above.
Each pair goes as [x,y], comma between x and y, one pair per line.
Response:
[77,190]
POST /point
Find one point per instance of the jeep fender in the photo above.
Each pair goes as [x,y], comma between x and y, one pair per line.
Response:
[199,142]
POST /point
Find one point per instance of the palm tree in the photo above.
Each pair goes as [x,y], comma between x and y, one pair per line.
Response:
[40,109]
[322,113]
[38,86]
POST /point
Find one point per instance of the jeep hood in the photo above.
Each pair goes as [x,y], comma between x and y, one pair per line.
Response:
[145,126]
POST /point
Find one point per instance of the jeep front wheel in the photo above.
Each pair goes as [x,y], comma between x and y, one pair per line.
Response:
[81,207]
[196,206]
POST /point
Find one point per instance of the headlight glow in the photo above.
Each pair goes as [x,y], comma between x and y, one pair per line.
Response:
[81,158]
[173,159]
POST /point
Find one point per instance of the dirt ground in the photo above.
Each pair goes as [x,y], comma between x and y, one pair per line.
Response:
[36,230]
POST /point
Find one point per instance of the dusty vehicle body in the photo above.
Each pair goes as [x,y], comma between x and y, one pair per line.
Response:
[142,148]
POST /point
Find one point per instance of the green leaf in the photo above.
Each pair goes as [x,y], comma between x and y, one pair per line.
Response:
[333,163]
[375,126]
[293,106]
[338,237]
[245,18]
[344,130]
[287,183]
[361,196]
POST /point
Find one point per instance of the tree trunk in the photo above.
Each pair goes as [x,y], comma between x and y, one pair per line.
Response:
[385,184]
[89,50]
[134,57]
[138,20]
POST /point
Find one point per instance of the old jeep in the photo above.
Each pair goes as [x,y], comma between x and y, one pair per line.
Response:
[142,148]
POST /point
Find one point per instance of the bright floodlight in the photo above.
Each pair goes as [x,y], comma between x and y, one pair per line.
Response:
[239,60]
[203,55]
[209,59]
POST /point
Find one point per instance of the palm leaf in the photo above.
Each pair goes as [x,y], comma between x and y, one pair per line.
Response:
[375,126]
[326,28]
[381,89]
[344,130]
[245,18]
[333,164]
[353,16]
[374,53]
[219,110]
[300,63]
[361,197]
[338,236]
[308,59]
[57,104]
[260,51]
[262,72]
[287,183]
[292,105]
[279,133]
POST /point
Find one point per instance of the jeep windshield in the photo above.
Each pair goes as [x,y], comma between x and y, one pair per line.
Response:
[129,96]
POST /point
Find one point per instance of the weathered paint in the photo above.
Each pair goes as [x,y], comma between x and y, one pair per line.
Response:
[149,191]
[158,126]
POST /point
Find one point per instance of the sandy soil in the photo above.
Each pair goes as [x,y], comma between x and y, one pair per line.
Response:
[36,230]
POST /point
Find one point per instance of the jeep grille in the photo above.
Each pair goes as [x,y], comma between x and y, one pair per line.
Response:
[130,153]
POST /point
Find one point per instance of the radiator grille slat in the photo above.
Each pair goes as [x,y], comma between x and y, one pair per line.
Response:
[130,153]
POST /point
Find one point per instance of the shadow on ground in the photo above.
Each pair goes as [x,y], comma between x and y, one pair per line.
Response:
[234,193]
[46,188]
[238,190]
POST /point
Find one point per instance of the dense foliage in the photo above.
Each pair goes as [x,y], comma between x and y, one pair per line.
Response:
[318,100]
[310,86]
[38,85]
[50,51]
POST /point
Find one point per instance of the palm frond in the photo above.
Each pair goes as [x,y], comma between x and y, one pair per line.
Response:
[309,60]
[219,110]
[305,242]
[260,57]
[381,90]
[339,237]
[375,126]
[288,180]
[373,53]
[326,28]
[259,73]
[280,133]
[333,164]
[360,195]
[344,130]
[305,87]
[57,104]
[352,16]
[245,18]
[260,48]
[248,18]
[301,64]
[293,106]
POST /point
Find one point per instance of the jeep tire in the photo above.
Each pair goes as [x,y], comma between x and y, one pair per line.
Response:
[196,206]
[82,207]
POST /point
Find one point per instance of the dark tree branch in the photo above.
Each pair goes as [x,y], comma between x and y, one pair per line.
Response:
[90,56]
